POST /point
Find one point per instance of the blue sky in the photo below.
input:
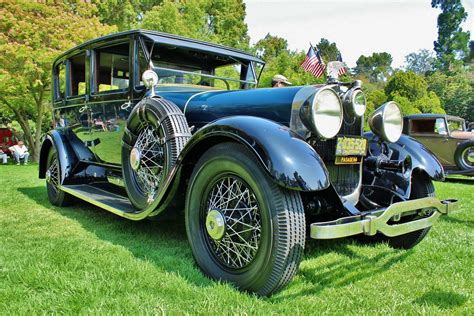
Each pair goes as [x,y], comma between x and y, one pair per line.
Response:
[359,27]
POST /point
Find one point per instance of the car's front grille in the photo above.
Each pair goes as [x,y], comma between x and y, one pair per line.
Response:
[344,178]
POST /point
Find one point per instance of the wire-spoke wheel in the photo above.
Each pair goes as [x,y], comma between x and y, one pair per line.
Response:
[242,227]
[156,133]
[232,203]
[148,161]
[53,181]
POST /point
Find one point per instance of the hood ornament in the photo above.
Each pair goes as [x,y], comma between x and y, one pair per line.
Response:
[333,69]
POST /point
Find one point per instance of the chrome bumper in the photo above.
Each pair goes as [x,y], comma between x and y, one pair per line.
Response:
[377,221]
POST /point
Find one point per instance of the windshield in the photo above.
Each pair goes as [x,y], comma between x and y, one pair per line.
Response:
[178,66]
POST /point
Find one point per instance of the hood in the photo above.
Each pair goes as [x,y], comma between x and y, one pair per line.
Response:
[204,106]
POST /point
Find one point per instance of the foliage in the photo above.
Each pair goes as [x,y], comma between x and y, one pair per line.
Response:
[452,43]
[270,47]
[125,14]
[32,36]
[328,50]
[411,92]
[456,92]
[376,67]
[220,21]
[420,62]
[288,64]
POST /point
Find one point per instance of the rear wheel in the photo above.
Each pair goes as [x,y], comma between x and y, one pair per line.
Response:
[53,181]
[242,227]
[464,155]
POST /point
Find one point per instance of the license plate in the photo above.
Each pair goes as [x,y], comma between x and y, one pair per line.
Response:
[351,146]
[348,160]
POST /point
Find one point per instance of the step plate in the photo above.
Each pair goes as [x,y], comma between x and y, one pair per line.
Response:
[104,199]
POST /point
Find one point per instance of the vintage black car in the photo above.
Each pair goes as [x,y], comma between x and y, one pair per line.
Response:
[147,122]
[447,137]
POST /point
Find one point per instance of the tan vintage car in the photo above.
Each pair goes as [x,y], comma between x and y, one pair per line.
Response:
[447,137]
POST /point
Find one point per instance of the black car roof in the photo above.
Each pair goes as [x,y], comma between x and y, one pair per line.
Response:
[432,115]
[170,39]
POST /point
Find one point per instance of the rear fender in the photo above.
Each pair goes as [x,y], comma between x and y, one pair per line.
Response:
[285,156]
[66,155]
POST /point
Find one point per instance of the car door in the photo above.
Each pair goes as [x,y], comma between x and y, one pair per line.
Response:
[433,133]
[110,96]
[70,96]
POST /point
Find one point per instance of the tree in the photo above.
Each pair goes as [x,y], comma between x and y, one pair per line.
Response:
[328,50]
[411,92]
[271,46]
[376,67]
[220,21]
[455,91]
[451,45]
[288,64]
[407,84]
[125,14]
[32,36]
[420,62]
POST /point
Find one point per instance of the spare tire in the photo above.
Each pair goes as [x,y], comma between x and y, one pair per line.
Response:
[156,133]
[464,155]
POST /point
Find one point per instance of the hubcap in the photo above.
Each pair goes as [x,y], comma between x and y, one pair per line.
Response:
[468,156]
[215,224]
[135,158]
[232,222]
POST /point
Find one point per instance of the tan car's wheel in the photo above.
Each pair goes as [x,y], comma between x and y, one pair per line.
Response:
[464,155]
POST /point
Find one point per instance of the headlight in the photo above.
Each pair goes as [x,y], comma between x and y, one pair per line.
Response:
[149,78]
[323,114]
[354,102]
[387,122]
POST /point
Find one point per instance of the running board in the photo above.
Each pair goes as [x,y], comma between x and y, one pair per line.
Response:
[106,200]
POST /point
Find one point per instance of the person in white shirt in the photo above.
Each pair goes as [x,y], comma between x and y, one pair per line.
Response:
[3,156]
[20,151]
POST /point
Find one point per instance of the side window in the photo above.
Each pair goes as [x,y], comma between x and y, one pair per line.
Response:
[440,127]
[112,68]
[60,81]
[78,75]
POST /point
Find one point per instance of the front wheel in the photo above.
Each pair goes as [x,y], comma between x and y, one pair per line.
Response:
[242,227]
[421,187]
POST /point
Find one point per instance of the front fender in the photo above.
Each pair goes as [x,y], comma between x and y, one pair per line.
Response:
[422,159]
[286,157]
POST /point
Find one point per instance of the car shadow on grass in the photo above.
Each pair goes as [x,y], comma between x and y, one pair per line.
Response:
[441,298]
[164,243]
[161,242]
[351,267]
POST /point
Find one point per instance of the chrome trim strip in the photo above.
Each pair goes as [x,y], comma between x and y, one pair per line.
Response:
[377,222]
[195,95]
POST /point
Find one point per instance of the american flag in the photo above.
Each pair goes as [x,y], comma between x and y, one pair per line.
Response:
[342,71]
[313,63]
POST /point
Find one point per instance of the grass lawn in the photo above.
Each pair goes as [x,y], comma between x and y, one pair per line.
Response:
[82,259]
